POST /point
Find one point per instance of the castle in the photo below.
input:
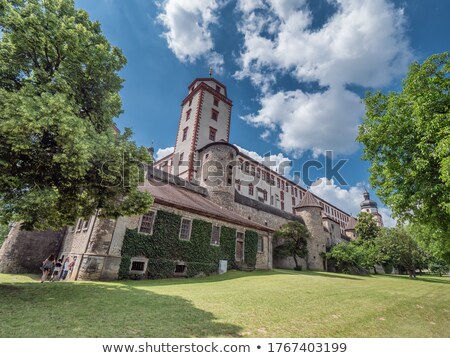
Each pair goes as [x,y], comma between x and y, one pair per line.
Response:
[212,204]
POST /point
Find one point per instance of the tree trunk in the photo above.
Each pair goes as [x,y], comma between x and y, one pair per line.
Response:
[295,260]
[375,270]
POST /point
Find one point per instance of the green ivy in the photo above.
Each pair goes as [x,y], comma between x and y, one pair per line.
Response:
[164,248]
[250,248]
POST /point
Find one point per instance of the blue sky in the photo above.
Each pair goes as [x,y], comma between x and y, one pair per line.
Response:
[295,69]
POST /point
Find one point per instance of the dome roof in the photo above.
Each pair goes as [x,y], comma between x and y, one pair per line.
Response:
[367,202]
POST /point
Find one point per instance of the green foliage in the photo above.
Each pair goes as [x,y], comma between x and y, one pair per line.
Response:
[366,227]
[406,136]
[60,157]
[348,257]
[294,237]
[250,248]
[402,250]
[4,230]
[164,248]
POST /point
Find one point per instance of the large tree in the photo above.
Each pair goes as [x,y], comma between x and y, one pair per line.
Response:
[402,250]
[406,137]
[60,157]
[294,237]
[366,227]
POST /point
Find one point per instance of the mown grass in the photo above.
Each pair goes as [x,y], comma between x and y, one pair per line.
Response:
[260,304]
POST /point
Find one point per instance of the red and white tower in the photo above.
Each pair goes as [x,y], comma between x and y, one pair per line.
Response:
[205,118]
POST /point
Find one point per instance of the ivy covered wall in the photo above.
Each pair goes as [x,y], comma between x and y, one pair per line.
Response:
[164,248]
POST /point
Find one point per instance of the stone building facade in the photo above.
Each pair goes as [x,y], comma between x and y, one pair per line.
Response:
[207,179]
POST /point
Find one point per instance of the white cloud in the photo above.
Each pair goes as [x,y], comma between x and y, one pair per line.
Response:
[188,25]
[162,152]
[347,199]
[362,44]
[319,121]
[277,162]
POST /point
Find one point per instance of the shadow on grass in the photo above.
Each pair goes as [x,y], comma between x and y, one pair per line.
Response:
[232,275]
[330,275]
[67,309]
[421,278]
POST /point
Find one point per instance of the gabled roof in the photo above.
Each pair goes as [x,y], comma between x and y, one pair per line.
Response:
[351,224]
[308,201]
[175,192]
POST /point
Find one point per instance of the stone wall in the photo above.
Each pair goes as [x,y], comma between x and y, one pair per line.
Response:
[317,245]
[98,249]
[24,251]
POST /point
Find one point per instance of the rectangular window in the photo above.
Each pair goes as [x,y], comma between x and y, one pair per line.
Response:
[250,189]
[265,195]
[137,266]
[214,115]
[79,225]
[212,134]
[188,115]
[246,167]
[218,88]
[282,185]
[146,224]
[185,131]
[239,246]
[86,224]
[215,235]
[238,184]
[278,182]
[185,230]
[260,244]
[216,102]
[272,180]
[258,173]
[263,175]
[296,193]
[287,187]
[181,158]
[252,170]
[293,201]
[282,195]
[282,205]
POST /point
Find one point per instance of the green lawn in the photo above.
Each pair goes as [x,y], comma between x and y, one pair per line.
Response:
[260,304]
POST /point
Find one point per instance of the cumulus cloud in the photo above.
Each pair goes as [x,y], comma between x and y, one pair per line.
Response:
[188,25]
[347,199]
[277,162]
[317,122]
[162,152]
[362,44]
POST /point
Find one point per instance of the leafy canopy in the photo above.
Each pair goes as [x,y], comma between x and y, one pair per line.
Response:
[406,136]
[294,237]
[366,227]
[60,157]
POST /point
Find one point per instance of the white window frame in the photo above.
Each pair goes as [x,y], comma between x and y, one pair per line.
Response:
[190,229]
[262,240]
[212,231]
[138,259]
[153,223]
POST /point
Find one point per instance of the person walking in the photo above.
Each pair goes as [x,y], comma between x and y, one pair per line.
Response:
[47,266]
[65,269]
[57,271]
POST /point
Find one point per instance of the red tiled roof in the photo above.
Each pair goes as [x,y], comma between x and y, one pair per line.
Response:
[184,199]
